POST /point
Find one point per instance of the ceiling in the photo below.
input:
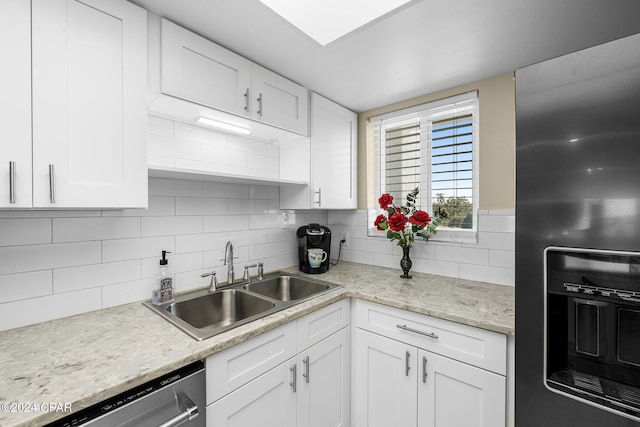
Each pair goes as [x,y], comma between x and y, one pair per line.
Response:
[423,47]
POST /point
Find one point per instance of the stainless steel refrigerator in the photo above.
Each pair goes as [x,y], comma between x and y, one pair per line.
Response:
[578,239]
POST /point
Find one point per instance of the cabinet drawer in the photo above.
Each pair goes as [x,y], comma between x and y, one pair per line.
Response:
[478,347]
[318,325]
[238,365]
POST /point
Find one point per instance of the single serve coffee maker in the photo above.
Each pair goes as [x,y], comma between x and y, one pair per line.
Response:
[314,245]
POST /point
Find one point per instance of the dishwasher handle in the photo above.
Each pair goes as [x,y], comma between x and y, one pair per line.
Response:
[190,411]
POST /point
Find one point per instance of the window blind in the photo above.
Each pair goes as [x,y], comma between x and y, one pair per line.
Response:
[402,159]
[452,169]
[434,147]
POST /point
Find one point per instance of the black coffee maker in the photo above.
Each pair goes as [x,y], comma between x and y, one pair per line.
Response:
[313,236]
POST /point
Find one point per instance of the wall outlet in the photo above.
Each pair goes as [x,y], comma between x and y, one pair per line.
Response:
[345,237]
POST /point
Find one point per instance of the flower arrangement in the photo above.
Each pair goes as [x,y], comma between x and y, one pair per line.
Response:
[404,223]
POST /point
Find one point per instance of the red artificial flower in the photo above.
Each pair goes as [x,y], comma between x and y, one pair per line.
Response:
[420,218]
[380,220]
[397,221]
[385,201]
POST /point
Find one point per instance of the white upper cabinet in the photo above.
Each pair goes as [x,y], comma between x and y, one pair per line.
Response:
[333,161]
[89,104]
[279,101]
[200,71]
[195,69]
[15,104]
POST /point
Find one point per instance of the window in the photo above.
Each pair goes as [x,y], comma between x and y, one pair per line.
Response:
[434,147]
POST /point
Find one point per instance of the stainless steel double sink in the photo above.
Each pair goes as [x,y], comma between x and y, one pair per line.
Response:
[203,314]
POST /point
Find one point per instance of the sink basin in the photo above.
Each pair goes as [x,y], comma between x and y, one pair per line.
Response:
[286,288]
[219,309]
[203,314]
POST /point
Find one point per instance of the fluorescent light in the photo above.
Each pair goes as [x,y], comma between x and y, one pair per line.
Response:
[221,125]
[328,20]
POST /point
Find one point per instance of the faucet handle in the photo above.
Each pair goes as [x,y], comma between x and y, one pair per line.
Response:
[246,275]
[213,285]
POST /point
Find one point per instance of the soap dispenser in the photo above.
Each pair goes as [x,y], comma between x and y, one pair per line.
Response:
[163,293]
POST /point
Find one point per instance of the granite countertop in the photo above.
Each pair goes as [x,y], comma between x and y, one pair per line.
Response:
[80,360]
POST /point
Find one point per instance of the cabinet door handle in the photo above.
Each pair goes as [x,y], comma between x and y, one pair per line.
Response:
[246,100]
[306,369]
[426,334]
[406,361]
[52,183]
[319,193]
[424,369]
[260,105]
[294,373]
[12,182]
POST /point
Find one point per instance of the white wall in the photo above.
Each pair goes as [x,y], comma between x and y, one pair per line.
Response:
[490,260]
[59,263]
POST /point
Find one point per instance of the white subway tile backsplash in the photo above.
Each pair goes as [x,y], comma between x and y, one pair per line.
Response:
[225,190]
[91,276]
[123,293]
[178,263]
[213,224]
[198,242]
[18,259]
[14,287]
[498,223]
[158,206]
[34,310]
[103,228]
[25,231]
[129,249]
[175,187]
[201,206]
[490,260]
[170,225]
[248,206]
[269,220]
[505,259]
[264,192]
[464,255]
[501,276]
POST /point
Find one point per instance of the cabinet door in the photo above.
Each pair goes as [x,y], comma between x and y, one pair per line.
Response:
[89,107]
[385,382]
[323,390]
[279,102]
[333,155]
[15,104]
[454,394]
[198,70]
[267,401]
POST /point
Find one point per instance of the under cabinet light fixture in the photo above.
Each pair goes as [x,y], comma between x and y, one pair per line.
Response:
[221,125]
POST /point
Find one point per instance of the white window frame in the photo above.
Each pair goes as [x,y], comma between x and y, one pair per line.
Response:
[426,113]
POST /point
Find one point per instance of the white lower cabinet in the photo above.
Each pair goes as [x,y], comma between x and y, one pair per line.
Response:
[397,382]
[250,385]
[323,383]
[268,400]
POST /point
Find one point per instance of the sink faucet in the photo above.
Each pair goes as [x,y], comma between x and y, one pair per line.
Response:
[228,255]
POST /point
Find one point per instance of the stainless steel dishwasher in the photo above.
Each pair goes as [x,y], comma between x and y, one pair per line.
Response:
[175,399]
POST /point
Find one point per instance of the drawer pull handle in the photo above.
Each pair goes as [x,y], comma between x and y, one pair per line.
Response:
[306,369]
[52,184]
[426,334]
[406,361]
[12,182]
[424,369]
[294,374]
[246,101]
